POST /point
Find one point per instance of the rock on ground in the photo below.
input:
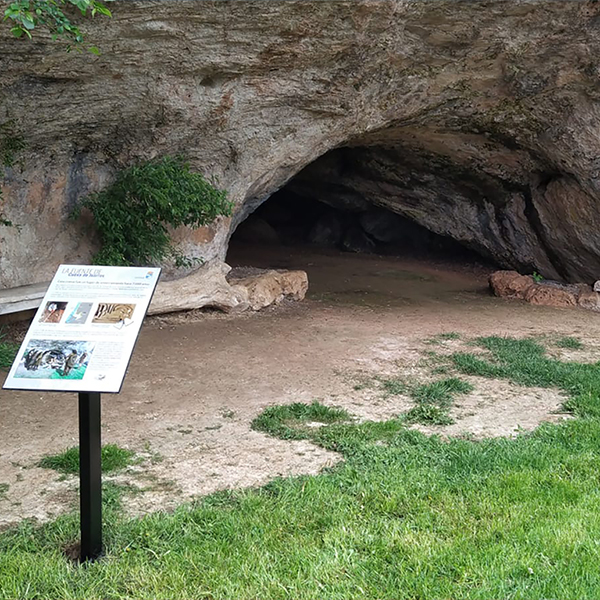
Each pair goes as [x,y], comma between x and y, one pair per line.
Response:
[510,284]
[271,287]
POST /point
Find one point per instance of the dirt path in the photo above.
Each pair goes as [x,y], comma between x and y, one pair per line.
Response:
[197,380]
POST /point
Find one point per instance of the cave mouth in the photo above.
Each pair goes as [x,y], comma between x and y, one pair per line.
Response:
[314,214]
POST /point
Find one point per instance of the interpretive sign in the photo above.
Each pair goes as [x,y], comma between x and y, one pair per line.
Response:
[81,340]
[83,334]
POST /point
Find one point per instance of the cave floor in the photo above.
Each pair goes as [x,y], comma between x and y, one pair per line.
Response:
[197,379]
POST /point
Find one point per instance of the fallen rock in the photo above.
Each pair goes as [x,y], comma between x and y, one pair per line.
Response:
[271,287]
[589,299]
[207,287]
[547,295]
[597,286]
[510,284]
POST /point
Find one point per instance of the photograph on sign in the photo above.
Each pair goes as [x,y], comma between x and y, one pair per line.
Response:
[113,313]
[84,332]
[52,359]
[79,315]
[53,312]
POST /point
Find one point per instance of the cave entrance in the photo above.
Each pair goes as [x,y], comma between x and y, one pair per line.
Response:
[321,223]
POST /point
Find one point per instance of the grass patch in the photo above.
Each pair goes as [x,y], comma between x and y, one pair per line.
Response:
[8,352]
[404,516]
[292,421]
[394,387]
[569,342]
[526,362]
[433,401]
[443,337]
[114,459]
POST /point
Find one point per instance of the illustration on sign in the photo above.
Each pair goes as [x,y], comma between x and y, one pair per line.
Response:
[83,334]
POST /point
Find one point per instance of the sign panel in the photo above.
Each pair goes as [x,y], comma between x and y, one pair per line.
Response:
[84,332]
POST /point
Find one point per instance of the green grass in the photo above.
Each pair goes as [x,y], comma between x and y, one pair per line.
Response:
[114,459]
[394,387]
[292,421]
[434,400]
[569,342]
[8,352]
[404,516]
[526,362]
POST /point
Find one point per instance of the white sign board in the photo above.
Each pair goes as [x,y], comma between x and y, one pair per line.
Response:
[83,334]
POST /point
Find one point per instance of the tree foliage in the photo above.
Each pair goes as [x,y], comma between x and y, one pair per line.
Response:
[56,16]
[134,213]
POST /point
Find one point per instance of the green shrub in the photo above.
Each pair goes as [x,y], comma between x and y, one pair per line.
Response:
[134,213]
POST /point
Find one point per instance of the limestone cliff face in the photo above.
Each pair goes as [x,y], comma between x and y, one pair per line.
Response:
[480,120]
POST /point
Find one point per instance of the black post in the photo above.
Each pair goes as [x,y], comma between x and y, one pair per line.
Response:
[90,475]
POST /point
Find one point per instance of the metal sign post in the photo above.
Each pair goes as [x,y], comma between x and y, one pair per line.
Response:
[90,475]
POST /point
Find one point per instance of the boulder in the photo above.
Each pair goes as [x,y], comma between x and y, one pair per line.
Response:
[547,295]
[510,284]
[589,299]
[271,287]
[597,286]
[206,287]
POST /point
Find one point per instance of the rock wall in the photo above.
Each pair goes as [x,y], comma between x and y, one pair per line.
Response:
[478,119]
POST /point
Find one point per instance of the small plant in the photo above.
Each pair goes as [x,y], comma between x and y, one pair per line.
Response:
[569,342]
[114,458]
[394,387]
[537,277]
[11,143]
[8,352]
[433,400]
[134,213]
[428,414]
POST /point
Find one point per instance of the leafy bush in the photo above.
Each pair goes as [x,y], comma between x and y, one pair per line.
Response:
[132,215]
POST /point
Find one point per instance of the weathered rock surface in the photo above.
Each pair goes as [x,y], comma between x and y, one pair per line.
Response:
[271,287]
[478,120]
[544,295]
[510,284]
[207,287]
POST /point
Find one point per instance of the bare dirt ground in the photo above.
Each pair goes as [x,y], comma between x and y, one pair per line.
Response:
[198,379]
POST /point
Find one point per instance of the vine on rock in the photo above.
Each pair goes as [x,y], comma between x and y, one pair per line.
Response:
[27,15]
[133,214]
